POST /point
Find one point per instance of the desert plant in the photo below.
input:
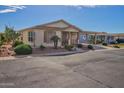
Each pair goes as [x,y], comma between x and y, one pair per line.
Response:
[42,47]
[23,49]
[90,47]
[98,41]
[91,39]
[55,39]
[16,43]
[2,39]
[79,45]
[116,46]
[10,35]
[69,47]
[104,44]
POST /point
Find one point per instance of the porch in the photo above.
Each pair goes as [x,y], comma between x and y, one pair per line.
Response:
[70,38]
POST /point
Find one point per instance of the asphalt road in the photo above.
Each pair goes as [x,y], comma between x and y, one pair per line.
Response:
[93,69]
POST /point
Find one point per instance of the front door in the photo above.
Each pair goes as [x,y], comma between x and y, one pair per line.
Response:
[65,38]
[74,38]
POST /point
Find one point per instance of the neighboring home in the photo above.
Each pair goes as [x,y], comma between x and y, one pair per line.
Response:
[114,37]
[118,35]
[41,34]
[93,37]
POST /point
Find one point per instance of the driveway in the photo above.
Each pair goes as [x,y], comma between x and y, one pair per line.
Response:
[104,68]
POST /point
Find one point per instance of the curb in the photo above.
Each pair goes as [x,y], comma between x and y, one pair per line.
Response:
[65,53]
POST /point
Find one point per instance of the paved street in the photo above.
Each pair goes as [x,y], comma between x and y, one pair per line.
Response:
[94,69]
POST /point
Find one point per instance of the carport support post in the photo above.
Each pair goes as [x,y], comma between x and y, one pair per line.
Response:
[78,38]
[95,38]
[69,39]
[105,40]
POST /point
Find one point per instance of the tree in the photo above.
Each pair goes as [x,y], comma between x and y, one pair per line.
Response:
[2,39]
[10,35]
[55,39]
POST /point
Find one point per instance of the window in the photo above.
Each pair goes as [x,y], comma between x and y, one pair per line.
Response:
[31,36]
[48,35]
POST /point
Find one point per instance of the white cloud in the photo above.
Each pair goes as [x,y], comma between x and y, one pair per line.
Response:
[16,6]
[7,10]
[83,6]
[12,8]
[89,6]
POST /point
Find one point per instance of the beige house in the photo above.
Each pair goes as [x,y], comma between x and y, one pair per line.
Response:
[41,34]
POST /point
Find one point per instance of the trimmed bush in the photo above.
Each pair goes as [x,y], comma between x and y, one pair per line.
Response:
[116,46]
[90,47]
[42,47]
[23,49]
[79,45]
[17,43]
[104,44]
[69,47]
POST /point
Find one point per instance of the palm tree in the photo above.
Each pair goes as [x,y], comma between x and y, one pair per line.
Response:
[55,39]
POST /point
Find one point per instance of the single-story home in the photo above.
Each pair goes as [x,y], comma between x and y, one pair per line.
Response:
[68,34]
[41,34]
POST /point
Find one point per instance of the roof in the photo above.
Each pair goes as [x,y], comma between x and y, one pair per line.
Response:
[93,32]
[118,34]
[46,27]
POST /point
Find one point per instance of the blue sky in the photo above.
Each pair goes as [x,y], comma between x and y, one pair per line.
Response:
[90,18]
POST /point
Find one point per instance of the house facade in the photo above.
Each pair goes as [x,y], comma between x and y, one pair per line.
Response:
[41,34]
[68,34]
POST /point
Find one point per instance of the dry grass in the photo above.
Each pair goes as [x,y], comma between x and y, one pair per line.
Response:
[119,45]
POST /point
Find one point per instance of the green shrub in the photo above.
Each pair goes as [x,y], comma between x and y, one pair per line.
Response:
[116,46]
[79,45]
[69,47]
[23,49]
[29,46]
[17,43]
[42,47]
[105,44]
[90,47]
